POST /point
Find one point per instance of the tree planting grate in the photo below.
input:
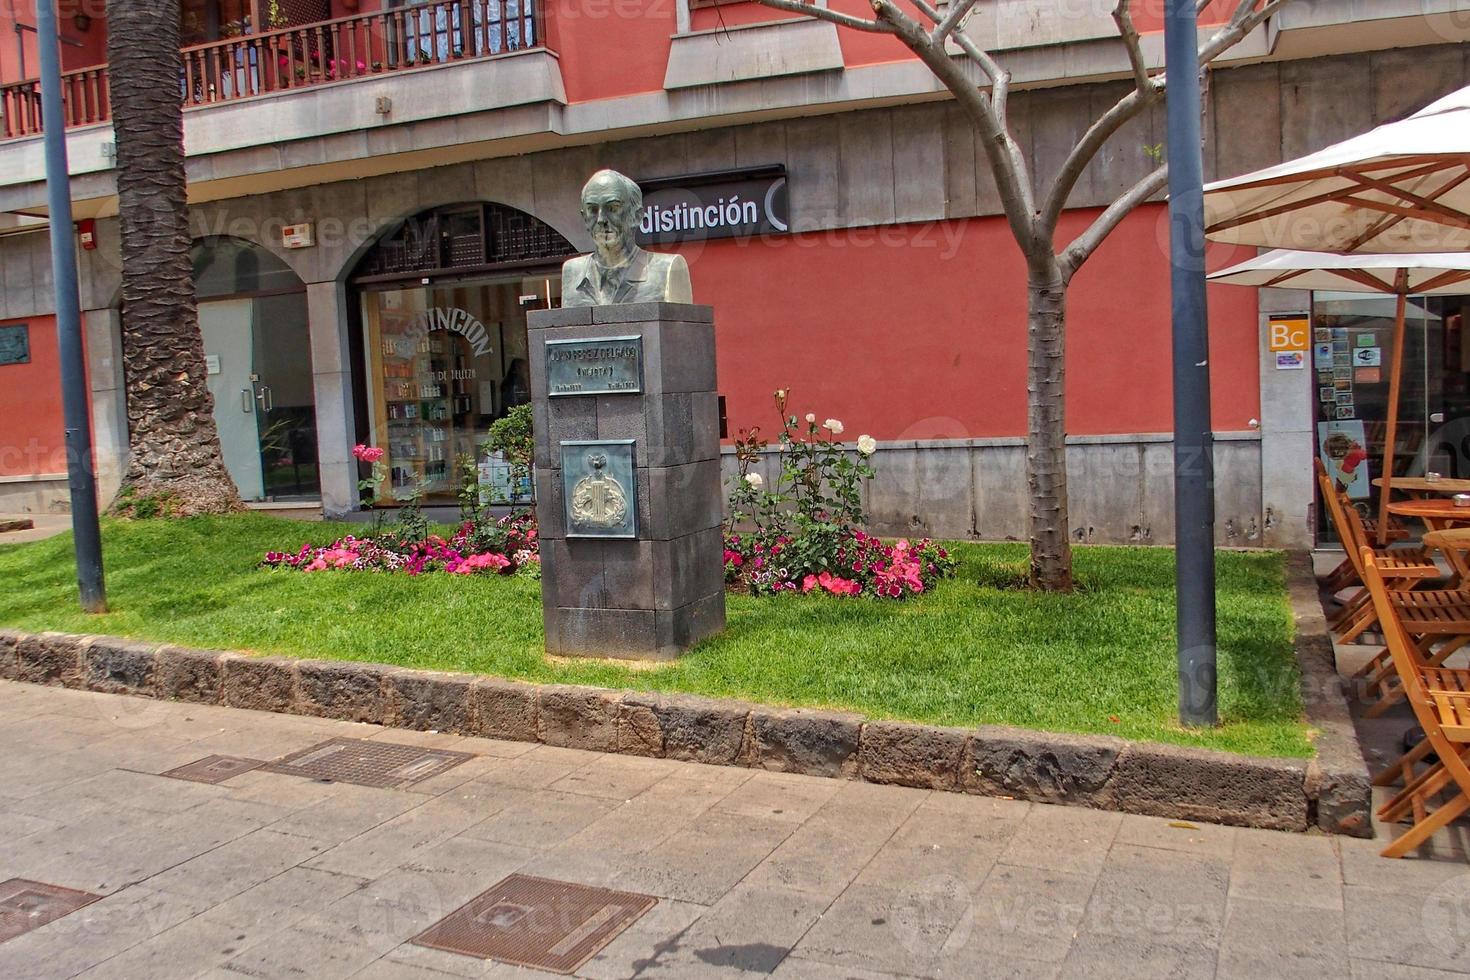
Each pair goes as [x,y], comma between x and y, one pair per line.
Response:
[214,768]
[386,765]
[27,905]
[535,922]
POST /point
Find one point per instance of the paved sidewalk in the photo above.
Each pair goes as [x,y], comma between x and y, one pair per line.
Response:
[272,875]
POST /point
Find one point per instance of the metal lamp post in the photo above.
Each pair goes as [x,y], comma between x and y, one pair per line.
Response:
[76,406]
[1194,469]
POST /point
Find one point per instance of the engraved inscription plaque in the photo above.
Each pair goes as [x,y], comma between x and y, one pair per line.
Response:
[600,366]
[598,488]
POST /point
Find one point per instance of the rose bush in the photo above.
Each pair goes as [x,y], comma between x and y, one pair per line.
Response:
[803,533]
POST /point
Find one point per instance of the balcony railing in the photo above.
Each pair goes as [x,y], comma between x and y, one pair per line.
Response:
[363,46]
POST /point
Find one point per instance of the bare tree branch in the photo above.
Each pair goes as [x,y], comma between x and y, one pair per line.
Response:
[824,13]
[1086,243]
[954,21]
[1006,161]
[1000,79]
[1123,17]
[1245,19]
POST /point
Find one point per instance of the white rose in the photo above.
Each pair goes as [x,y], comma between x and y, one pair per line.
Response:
[867,445]
[755,480]
[811,417]
[833,426]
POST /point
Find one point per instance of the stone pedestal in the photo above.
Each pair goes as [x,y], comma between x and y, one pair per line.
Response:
[652,585]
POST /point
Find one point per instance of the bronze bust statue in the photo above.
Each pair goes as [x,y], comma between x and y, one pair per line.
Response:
[618,271]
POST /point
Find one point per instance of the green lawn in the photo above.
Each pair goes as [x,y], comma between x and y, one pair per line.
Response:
[973,651]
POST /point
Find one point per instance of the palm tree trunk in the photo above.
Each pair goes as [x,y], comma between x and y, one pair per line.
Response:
[1046,447]
[174,450]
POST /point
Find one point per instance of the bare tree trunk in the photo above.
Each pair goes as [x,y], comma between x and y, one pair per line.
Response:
[174,451]
[1046,426]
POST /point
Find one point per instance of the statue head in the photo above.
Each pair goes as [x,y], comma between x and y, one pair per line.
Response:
[612,207]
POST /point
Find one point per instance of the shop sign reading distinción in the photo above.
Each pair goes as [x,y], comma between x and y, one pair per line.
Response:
[599,366]
[598,488]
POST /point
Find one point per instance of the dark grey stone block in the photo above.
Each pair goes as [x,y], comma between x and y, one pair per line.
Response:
[817,743]
[505,709]
[550,503]
[568,420]
[1042,766]
[912,755]
[680,427]
[631,575]
[667,312]
[678,357]
[692,566]
[681,628]
[430,701]
[196,676]
[259,683]
[572,572]
[120,666]
[1193,784]
[622,417]
[567,316]
[579,718]
[50,658]
[690,496]
[342,690]
[596,632]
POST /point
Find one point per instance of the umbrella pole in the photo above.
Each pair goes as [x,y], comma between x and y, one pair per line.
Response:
[1390,437]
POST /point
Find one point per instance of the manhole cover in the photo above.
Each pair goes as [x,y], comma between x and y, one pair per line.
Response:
[355,760]
[27,905]
[547,925]
[214,768]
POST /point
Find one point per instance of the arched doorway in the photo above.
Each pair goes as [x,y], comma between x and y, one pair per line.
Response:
[443,298]
[252,316]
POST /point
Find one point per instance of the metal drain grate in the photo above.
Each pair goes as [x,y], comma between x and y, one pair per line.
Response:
[353,760]
[535,922]
[27,905]
[214,768]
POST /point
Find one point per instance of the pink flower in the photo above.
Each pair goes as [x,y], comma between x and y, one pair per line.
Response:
[808,583]
[368,454]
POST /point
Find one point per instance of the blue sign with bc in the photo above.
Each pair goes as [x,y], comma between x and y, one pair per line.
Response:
[599,491]
[597,366]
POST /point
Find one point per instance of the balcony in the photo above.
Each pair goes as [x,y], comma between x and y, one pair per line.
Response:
[367,45]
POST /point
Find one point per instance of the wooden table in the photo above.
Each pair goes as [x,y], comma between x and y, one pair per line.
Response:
[1455,546]
[1420,488]
[1437,515]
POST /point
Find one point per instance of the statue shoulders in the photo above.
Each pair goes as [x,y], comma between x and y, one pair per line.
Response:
[667,262]
[576,265]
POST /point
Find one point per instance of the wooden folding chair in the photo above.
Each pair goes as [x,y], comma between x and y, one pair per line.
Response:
[1440,698]
[1346,573]
[1402,568]
[1428,617]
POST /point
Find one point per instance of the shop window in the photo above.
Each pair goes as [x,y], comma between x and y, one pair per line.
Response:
[444,362]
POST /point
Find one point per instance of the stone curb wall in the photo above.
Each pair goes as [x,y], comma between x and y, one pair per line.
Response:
[1329,792]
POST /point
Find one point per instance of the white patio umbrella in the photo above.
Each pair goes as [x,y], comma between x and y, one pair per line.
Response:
[1401,276]
[1403,187]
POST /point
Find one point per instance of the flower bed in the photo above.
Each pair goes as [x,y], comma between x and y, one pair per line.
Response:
[504,547]
[803,532]
[857,564]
